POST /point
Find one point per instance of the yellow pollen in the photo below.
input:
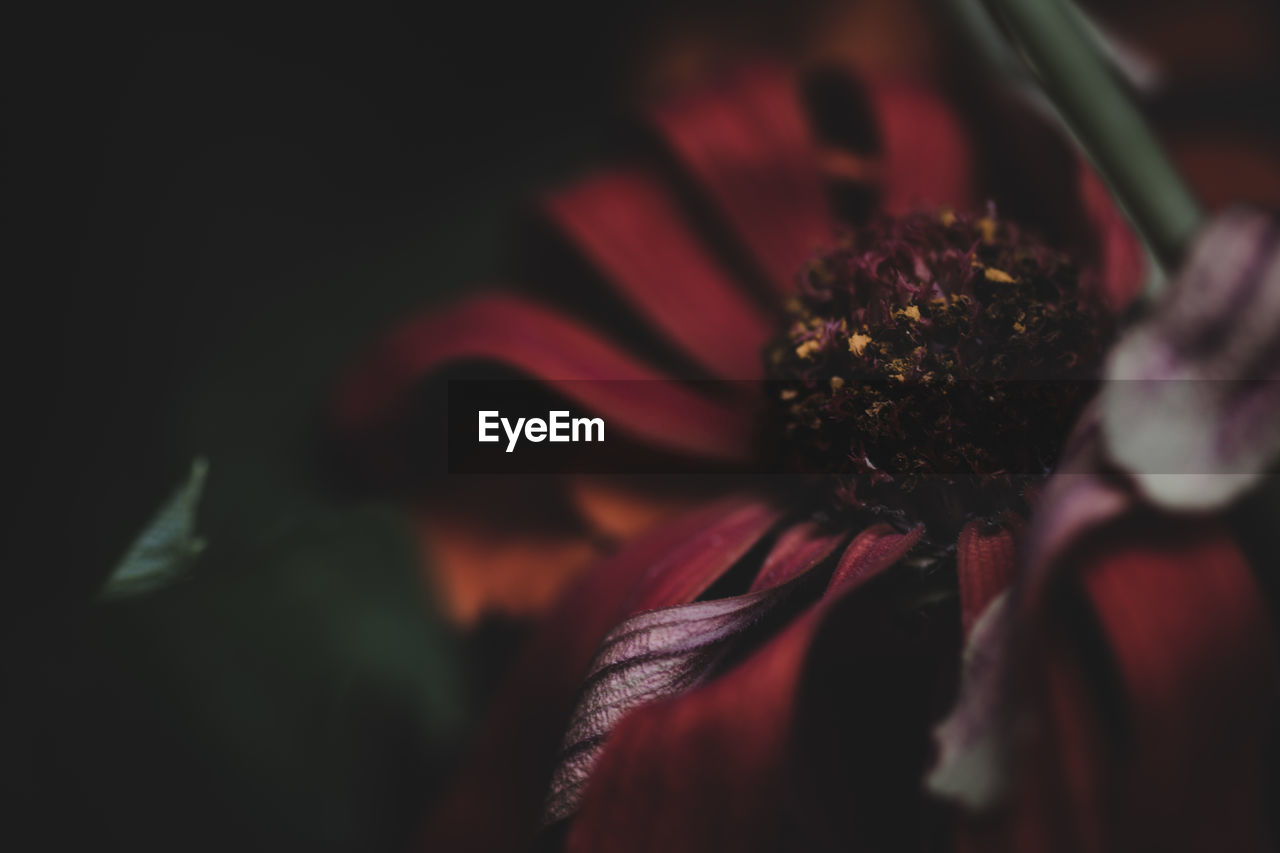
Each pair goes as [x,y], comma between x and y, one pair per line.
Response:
[911,312]
[858,342]
[837,383]
[994,274]
[1019,328]
[787,394]
[947,218]
[988,227]
[807,349]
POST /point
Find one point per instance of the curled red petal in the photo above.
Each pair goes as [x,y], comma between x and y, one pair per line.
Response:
[654,654]
[496,801]
[706,770]
[668,651]
[748,145]
[631,227]
[553,348]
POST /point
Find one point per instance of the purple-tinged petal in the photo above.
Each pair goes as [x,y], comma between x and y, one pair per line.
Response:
[669,651]
[1191,407]
[495,802]
[971,767]
[706,769]
[971,762]
[656,654]
[975,750]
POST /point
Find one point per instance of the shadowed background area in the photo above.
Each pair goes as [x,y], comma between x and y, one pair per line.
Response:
[221,214]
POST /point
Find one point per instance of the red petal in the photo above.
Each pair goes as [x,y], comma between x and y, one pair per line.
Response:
[570,358]
[684,573]
[984,565]
[748,145]
[798,549]
[706,770]
[1119,257]
[1153,740]
[496,802]
[634,231]
[873,551]
[927,158]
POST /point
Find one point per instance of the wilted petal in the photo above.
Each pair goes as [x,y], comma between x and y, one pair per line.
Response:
[1191,408]
[669,651]
[973,766]
[972,763]
[705,770]
[496,802]
[655,654]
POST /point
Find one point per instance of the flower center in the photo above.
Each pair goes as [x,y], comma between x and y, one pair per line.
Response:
[931,364]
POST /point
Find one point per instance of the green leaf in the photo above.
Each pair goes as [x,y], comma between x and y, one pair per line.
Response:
[166,547]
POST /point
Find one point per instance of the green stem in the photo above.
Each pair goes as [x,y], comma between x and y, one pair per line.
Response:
[1106,123]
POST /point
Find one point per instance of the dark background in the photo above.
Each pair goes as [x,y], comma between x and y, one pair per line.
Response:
[212,218]
[208,218]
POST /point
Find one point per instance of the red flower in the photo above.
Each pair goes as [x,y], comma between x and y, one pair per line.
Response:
[797,713]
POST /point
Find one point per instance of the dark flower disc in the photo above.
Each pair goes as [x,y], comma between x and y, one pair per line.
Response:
[931,364]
